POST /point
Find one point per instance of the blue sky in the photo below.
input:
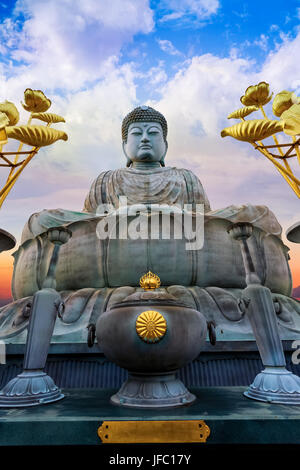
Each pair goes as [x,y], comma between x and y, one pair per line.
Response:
[248,29]
[191,59]
[180,30]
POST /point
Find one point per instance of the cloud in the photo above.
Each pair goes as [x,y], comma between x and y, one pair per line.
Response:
[282,69]
[178,9]
[242,14]
[262,42]
[155,76]
[67,44]
[168,47]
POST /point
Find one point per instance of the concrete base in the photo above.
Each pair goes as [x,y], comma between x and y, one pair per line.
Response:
[74,421]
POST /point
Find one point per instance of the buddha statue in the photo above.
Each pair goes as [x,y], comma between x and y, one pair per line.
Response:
[144,180]
[94,272]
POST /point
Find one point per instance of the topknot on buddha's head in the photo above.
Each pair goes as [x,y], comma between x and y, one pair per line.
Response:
[144,114]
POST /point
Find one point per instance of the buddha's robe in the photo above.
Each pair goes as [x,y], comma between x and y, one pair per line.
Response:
[156,186]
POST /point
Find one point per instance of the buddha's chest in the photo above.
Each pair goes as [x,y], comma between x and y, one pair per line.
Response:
[158,188]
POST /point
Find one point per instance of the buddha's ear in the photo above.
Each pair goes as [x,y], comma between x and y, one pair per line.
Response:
[129,162]
[162,160]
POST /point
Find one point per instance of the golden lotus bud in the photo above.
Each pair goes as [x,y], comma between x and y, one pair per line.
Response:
[283,101]
[11,112]
[149,281]
[35,101]
[256,95]
[291,119]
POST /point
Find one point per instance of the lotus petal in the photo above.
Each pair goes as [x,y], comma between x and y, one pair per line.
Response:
[256,129]
[291,119]
[242,112]
[48,117]
[4,121]
[37,136]
[283,101]
[11,112]
[35,101]
[256,95]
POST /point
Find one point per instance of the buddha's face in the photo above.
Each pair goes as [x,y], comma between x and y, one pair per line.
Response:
[145,142]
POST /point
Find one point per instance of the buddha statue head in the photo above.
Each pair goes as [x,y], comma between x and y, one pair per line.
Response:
[144,134]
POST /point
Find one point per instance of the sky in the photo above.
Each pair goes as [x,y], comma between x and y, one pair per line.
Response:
[190,59]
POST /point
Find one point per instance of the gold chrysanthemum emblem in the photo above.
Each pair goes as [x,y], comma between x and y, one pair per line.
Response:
[151,326]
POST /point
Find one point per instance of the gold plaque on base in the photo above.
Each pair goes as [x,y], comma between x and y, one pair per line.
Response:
[135,432]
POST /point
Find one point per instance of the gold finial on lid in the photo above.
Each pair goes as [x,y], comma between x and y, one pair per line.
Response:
[149,281]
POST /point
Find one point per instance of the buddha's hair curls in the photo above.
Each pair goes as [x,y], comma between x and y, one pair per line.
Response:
[143,114]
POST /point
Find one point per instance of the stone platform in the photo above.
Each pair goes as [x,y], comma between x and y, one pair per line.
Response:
[74,421]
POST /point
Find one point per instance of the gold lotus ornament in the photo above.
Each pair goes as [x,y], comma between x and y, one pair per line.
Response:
[149,281]
[11,112]
[4,121]
[283,101]
[38,136]
[256,129]
[48,117]
[151,326]
[3,135]
[35,101]
[286,105]
[291,119]
[242,112]
[257,95]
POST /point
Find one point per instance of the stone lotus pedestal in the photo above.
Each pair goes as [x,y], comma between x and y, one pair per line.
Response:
[151,335]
